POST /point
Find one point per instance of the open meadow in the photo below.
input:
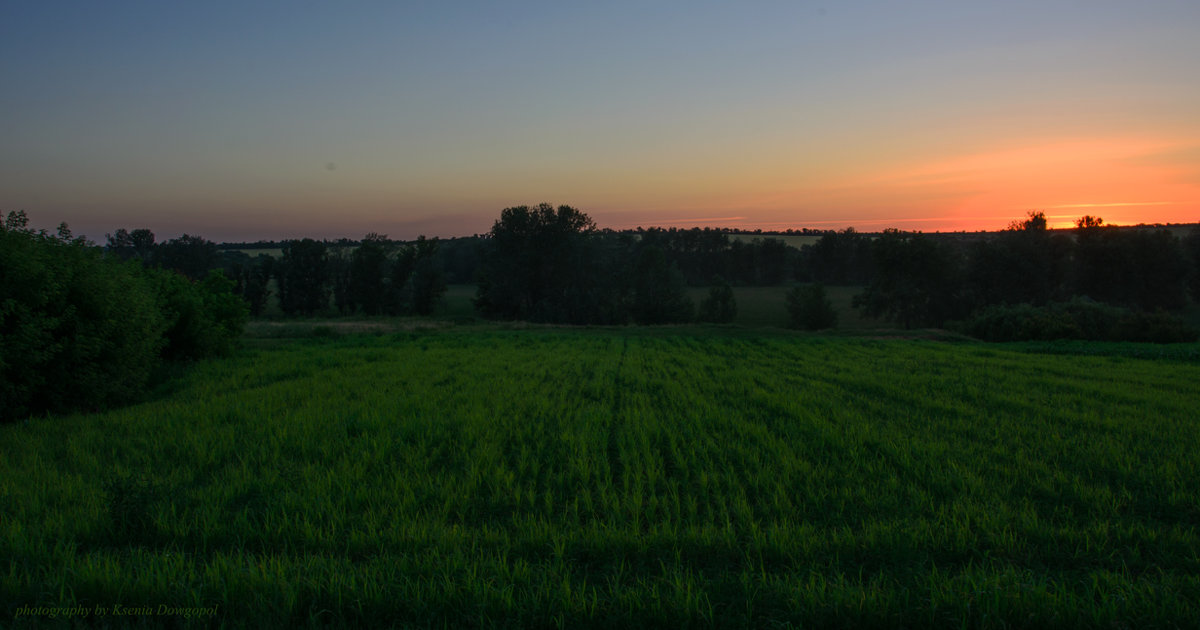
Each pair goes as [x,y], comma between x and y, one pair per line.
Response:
[541,477]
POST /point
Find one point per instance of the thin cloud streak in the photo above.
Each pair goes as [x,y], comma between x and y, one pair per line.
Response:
[1116,204]
[696,220]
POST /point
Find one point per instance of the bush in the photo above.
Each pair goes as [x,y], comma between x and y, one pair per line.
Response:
[1080,318]
[77,330]
[82,331]
[202,319]
[719,307]
[810,309]
[1156,327]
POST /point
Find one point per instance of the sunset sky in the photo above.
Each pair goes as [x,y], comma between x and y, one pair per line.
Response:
[270,120]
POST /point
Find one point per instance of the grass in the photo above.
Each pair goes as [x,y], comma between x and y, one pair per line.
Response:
[622,477]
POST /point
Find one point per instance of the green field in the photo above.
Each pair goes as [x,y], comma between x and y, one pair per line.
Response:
[558,477]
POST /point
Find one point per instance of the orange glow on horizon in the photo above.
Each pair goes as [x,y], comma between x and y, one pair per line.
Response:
[1125,180]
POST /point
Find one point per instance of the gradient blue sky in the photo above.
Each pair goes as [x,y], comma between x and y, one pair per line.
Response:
[249,120]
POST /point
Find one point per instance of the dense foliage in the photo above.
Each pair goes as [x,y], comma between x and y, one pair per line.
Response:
[1080,318]
[1034,277]
[82,330]
[202,318]
[625,478]
[809,308]
[658,291]
[915,280]
[720,306]
[550,264]
[547,264]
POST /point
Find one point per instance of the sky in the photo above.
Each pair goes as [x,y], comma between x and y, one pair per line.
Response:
[245,120]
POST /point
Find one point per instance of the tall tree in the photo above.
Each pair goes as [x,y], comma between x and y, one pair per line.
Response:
[193,256]
[809,308]
[660,295]
[136,245]
[369,267]
[916,281]
[1191,245]
[720,305]
[1146,269]
[339,277]
[839,258]
[252,279]
[303,274]
[427,282]
[536,260]
[1024,264]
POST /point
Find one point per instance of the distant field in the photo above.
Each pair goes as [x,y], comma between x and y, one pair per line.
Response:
[253,253]
[767,306]
[557,477]
[458,302]
[794,240]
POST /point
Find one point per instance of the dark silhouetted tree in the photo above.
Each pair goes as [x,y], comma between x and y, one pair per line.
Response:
[773,259]
[809,308]
[369,274]
[1025,264]
[720,305]
[839,258]
[916,281]
[339,277]
[460,259]
[1141,268]
[135,245]
[399,291]
[659,294]
[252,278]
[538,262]
[1191,246]
[303,274]
[426,283]
[193,256]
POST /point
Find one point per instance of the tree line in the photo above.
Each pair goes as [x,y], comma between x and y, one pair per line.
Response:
[553,264]
[1027,282]
[374,276]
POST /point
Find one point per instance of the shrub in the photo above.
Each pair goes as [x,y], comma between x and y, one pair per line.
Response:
[83,331]
[77,330]
[809,308]
[1080,318]
[203,319]
[1155,327]
[1021,322]
[720,306]
[181,307]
